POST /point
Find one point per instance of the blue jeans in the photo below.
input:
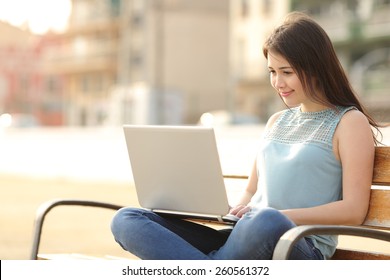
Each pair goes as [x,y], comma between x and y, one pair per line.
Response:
[156,237]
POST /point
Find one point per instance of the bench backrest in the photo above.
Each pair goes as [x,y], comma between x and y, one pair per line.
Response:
[378,215]
[379,211]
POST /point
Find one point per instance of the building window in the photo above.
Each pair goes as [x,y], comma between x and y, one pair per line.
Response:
[91,83]
[52,86]
[266,7]
[24,83]
[115,7]
[136,20]
[384,2]
[244,8]
[84,83]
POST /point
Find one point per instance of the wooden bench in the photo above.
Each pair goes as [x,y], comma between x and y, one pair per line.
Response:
[376,224]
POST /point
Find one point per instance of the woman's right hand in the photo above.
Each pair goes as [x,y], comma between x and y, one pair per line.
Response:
[239,210]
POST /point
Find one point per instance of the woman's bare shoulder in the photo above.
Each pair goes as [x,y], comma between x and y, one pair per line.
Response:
[354,120]
[354,127]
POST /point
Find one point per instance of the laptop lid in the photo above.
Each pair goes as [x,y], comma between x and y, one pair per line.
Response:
[177,168]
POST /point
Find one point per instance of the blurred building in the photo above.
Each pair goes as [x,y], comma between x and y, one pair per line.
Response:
[22,84]
[14,85]
[142,61]
[85,56]
[169,61]
[359,29]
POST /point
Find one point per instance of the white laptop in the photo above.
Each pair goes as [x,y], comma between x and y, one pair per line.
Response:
[176,171]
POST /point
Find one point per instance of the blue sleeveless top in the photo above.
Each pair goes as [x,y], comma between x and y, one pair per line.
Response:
[296,165]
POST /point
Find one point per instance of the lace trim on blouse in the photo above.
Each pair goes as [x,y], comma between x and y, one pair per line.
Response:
[294,126]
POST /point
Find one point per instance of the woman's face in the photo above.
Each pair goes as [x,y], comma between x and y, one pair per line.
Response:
[287,84]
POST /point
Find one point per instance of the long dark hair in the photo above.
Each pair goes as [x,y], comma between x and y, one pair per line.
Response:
[310,52]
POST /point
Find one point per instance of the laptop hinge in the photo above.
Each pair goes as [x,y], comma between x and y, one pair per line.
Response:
[220,219]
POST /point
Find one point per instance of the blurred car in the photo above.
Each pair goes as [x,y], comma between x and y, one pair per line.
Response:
[18,120]
[222,117]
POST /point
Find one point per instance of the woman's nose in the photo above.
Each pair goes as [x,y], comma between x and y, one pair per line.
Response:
[279,82]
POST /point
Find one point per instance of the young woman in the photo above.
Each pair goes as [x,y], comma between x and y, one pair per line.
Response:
[314,165]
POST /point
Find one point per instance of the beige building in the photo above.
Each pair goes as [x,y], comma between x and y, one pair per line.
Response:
[143,61]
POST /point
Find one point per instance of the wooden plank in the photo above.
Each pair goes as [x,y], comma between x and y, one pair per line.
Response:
[342,254]
[233,176]
[74,256]
[381,175]
[379,212]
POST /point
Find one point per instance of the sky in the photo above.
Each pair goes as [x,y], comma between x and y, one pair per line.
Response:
[39,15]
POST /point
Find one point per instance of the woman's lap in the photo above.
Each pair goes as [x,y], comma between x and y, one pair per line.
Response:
[152,236]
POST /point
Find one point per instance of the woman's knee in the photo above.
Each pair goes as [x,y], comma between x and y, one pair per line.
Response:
[124,218]
[271,221]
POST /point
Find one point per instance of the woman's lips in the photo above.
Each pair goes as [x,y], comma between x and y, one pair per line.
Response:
[286,93]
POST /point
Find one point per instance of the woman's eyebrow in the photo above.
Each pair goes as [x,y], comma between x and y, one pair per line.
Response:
[281,68]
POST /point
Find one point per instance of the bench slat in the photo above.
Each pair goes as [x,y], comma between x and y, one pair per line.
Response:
[378,212]
[381,174]
[342,254]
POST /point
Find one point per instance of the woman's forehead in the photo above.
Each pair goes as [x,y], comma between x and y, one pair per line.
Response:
[277,60]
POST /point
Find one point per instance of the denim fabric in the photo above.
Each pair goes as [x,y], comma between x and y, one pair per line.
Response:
[152,236]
